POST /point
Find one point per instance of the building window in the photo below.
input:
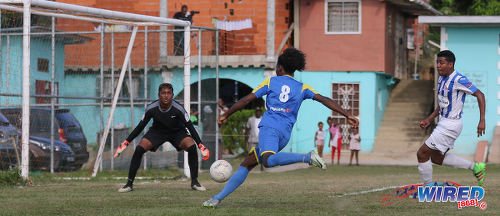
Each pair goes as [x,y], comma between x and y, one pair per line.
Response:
[347,96]
[342,17]
[43,65]
[124,96]
[42,88]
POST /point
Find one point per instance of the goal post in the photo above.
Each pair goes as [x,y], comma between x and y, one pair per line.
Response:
[115,100]
[26,90]
[100,18]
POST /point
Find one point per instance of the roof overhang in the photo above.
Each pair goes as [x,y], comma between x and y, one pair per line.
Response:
[45,33]
[415,7]
[460,20]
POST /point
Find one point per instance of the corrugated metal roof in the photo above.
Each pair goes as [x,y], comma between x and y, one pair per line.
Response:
[178,62]
[415,7]
[460,20]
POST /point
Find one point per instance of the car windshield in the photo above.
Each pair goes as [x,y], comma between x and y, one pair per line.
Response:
[3,119]
[66,120]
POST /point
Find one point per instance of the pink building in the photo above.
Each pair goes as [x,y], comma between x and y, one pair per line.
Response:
[355,35]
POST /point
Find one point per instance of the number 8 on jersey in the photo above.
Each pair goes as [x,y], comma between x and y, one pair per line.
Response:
[285,90]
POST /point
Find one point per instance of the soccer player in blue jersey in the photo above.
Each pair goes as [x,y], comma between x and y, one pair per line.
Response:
[451,91]
[284,97]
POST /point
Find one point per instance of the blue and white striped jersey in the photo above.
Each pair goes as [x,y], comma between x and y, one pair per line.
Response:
[451,94]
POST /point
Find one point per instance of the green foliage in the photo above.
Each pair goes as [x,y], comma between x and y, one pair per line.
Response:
[11,19]
[11,178]
[234,130]
[467,7]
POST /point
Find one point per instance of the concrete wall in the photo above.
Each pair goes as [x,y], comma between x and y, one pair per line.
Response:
[478,55]
[374,93]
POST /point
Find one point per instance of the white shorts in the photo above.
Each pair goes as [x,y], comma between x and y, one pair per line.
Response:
[444,135]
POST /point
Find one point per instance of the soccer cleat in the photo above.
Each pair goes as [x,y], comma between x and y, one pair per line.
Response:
[205,153]
[211,203]
[479,171]
[120,148]
[198,187]
[317,161]
[126,188]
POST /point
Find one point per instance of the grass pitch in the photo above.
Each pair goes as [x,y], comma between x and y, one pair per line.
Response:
[341,190]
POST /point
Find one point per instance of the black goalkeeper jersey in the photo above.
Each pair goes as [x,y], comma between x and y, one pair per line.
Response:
[168,121]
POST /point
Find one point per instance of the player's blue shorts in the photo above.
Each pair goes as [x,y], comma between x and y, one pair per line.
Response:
[270,140]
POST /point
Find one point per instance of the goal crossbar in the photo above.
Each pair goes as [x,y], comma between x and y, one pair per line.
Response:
[77,12]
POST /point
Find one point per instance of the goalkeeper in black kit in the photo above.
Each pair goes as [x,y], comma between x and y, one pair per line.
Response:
[170,123]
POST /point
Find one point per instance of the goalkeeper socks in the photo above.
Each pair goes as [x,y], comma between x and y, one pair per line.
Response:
[234,182]
[193,162]
[425,171]
[457,162]
[285,158]
[135,163]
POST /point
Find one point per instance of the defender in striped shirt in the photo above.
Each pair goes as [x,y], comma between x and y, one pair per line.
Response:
[452,89]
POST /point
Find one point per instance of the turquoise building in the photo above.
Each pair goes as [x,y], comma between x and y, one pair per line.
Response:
[11,62]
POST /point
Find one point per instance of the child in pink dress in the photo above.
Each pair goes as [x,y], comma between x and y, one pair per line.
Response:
[335,139]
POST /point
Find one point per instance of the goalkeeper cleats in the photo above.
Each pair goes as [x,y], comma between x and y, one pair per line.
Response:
[211,203]
[120,148]
[479,171]
[205,153]
[317,161]
[126,188]
[197,186]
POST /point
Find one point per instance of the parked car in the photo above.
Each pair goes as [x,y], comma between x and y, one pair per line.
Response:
[10,150]
[64,157]
[8,141]
[67,129]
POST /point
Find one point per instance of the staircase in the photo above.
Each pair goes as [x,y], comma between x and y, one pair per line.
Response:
[399,131]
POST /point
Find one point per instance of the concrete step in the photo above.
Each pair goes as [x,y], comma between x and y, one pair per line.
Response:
[407,109]
[408,105]
[402,117]
[400,139]
[402,133]
[405,104]
[400,124]
[414,98]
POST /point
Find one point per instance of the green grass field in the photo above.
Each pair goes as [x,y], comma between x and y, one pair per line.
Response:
[298,192]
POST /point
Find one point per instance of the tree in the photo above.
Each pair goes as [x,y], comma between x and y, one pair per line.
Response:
[467,7]
[12,19]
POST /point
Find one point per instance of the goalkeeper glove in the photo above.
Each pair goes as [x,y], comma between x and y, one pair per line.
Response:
[120,148]
[205,153]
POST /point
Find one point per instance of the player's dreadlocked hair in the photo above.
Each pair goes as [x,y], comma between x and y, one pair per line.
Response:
[165,85]
[448,55]
[291,60]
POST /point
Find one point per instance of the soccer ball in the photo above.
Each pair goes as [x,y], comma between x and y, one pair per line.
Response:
[221,171]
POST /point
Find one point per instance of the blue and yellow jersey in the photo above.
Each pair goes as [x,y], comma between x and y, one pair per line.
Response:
[284,97]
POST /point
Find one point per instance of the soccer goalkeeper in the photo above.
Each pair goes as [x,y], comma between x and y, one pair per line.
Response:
[170,121]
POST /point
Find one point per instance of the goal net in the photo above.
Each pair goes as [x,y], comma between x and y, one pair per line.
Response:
[74,91]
